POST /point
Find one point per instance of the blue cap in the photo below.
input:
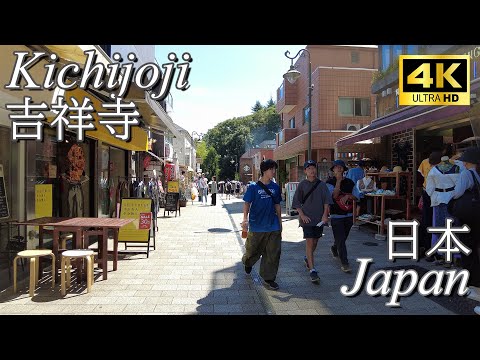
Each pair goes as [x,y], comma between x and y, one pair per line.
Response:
[309,163]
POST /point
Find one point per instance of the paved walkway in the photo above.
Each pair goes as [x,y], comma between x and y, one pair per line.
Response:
[196,269]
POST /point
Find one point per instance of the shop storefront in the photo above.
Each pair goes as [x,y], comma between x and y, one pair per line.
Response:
[411,133]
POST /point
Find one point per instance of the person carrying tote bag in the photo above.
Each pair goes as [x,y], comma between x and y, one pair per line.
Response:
[466,207]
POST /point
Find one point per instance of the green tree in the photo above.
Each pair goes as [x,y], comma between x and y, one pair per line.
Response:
[257,107]
[270,103]
[201,149]
[210,163]
[233,137]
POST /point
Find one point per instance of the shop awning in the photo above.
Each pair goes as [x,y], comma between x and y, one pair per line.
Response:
[406,118]
[402,120]
[138,139]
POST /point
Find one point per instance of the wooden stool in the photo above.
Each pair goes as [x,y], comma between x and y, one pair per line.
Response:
[65,267]
[64,238]
[34,256]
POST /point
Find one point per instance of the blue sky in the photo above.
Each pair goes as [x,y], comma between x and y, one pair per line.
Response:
[225,81]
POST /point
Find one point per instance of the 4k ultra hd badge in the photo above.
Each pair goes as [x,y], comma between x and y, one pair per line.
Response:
[434,80]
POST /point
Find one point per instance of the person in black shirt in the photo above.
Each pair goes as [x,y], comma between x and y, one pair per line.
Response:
[343,192]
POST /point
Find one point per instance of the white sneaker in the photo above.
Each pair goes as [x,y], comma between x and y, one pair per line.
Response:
[477,310]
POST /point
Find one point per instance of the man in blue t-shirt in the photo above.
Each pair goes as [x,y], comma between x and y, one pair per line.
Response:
[262,215]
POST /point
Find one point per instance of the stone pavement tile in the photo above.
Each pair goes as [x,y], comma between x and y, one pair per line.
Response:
[226,282]
[285,306]
[184,301]
[139,308]
[189,287]
[101,300]
[123,276]
[179,281]
[139,272]
[138,287]
[110,308]
[366,309]
[76,299]
[167,300]
[310,304]
[229,308]
[199,309]
[219,300]
[280,297]
[148,293]
[49,309]
[169,309]
[241,299]
[133,300]
[302,312]
[193,277]
[122,293]
[198,293]
[253,308]
[18,309]
[129,281]
[164,287]
[78,309]
[82,291]
[105,286]
[175,293]
[202,281]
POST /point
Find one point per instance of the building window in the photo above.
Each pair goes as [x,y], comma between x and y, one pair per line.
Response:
[412,49]
[355,57]
[397,51]
[306,114]
[386,59]
[354,106]
[280,92]
[292,123]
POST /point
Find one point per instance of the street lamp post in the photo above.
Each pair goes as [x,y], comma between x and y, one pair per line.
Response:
[292,75]
[236,164]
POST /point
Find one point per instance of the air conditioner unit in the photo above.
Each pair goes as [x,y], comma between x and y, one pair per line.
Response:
[384,93]
[396,92]
[389,91]
[353,127]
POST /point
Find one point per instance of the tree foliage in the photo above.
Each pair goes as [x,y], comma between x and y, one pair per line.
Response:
[210,163]
[270,103]
[257,107]
[233,137]
[201,149]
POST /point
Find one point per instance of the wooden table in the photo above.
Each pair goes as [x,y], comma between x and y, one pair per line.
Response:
[81,225]
[41,223]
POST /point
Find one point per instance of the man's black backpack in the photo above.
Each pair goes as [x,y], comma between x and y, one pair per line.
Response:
[467,207]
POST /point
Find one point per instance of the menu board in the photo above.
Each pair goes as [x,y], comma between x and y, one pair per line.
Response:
[4,212]
[135,208]
[171,201]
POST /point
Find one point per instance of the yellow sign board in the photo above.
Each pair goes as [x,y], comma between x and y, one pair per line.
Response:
[43,200]
[173,186]
[131,208]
